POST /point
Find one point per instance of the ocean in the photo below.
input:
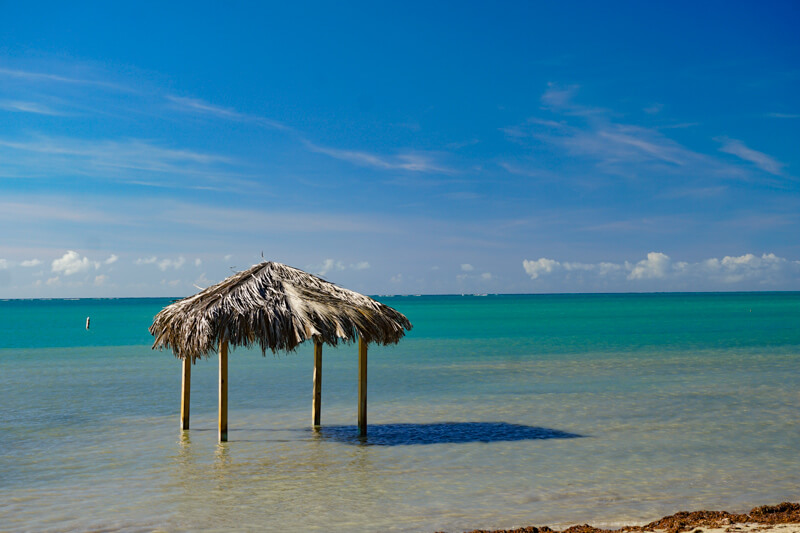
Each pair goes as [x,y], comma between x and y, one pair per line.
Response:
[494,411]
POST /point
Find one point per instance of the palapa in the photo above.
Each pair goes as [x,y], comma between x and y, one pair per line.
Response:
[276,307]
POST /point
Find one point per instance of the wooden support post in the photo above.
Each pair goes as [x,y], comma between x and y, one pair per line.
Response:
[186,387]
[223,391]
[316,407]
[362,387]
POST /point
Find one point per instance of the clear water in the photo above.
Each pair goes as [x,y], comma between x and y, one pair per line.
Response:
[494,411]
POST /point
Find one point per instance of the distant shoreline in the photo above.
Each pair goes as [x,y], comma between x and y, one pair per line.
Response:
[503,294]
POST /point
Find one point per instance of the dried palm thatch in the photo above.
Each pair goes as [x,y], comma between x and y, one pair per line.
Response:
[277,307]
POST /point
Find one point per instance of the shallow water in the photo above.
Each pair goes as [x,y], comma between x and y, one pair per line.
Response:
[495,411]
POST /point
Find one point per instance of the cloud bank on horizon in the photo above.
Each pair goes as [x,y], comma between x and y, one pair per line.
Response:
[659,272]
[398,153]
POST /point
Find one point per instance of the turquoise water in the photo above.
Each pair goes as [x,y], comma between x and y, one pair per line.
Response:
[495,411]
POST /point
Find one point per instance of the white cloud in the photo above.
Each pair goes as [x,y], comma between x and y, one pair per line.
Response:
[3,264]
[602,268]
[31,263]
[327,266]
[227,257]
[544,266]
[486,276]
[736,269]
[198,262]
[466,267]
[164,264]
[759,159]
[659,269]
[54,281]
[655,266]
[540,266]
[72,263]
[113,258]
[100,280]
[330,265]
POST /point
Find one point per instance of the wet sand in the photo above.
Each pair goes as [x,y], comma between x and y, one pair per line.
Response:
[781,518]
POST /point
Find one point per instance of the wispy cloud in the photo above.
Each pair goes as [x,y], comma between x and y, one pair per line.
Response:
[695,193]
[653,109]
[462,144]
[410,161]
[115,153]
[783,115]
[626,150]
[759,159]
[557,96]
[18,106]
[196,105]
[679,125]
[562,100]
[133,161]
[51,209]
[57,78]
[238,219]
[643,144]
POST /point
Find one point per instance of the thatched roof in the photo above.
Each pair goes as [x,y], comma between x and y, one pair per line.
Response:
[276,307]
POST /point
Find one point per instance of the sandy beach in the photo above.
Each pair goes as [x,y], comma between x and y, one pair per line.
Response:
[781,518]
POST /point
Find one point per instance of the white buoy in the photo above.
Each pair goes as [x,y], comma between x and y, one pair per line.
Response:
[87,322]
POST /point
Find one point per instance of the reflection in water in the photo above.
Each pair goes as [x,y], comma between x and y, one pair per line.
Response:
[441,433]
[184,456]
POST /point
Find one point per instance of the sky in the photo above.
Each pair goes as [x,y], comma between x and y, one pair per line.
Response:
[152,149]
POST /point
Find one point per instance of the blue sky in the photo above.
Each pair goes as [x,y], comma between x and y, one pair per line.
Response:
[147,150]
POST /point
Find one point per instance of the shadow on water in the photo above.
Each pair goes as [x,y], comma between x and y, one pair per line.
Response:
[440,433]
